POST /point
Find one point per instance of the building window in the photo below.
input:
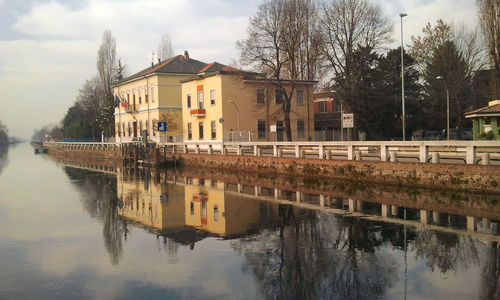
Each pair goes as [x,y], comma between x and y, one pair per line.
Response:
[213,130]
[300,97]
[140,98]
[260,96]
[155,127]
[212,97]
[153,94]
[128,98]
[190,131]
[123,127]
[200,99]
[191,208]
[140,127]
[301,128]
[200,129]
[487,121]
[279,96]
[337,106]
[261,129]
[322,107]
[216,213]
[189,100]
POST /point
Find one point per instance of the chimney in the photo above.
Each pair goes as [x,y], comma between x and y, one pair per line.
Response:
[186,55]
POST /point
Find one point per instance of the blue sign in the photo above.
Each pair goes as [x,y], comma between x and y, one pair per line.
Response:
[162,126]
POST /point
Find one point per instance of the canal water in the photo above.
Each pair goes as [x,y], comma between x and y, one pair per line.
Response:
[74,230]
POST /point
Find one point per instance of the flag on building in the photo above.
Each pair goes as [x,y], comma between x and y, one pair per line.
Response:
[117,101]
[125,104]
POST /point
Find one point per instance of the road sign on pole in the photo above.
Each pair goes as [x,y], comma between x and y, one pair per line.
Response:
[162,126]
[348,120]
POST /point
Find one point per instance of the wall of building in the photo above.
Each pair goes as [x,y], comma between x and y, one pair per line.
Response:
[230,87]
[212,112]
[478,127]
[163,104]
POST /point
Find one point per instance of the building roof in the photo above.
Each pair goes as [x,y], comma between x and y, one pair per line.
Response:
[180,64]
[321,96]
[491,110]
[217,67]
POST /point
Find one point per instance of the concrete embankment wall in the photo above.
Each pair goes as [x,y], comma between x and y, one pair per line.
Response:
[86,154]
[476,178]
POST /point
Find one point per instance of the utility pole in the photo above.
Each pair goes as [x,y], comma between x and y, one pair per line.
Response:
[403,117]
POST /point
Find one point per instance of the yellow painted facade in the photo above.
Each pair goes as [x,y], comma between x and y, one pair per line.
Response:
[222,94]
[153,95]
[151,99]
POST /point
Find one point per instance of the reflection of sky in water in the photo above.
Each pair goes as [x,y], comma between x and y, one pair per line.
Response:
[52,248]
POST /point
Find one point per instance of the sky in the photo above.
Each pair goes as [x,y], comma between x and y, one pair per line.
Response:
[48,48]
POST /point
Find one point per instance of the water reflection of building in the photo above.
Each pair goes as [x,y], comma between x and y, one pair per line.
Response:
[149,202]
[189,209]
[213,206]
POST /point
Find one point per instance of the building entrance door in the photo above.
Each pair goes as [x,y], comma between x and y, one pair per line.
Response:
[135,129]
[279,131]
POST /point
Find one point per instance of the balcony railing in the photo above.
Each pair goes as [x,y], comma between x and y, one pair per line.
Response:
[198,112]
[131,108]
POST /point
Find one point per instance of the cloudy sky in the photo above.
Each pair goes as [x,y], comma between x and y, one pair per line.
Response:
[48,48]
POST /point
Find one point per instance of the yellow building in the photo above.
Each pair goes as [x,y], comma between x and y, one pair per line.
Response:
[153,95]
[222,102]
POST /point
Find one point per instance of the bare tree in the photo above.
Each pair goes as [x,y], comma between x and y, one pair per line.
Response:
[281,42]
[350,28]
[489,19]
[165,50]
[106,61]
[106,67]
[349,25]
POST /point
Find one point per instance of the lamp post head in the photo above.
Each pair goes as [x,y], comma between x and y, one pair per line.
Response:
[403,15]
[439,77]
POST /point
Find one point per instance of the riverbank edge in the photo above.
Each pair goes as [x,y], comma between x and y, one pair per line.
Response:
[470,178]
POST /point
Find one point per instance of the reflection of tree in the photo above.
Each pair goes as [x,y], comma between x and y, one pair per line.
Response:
[99,199]
[320,256]
[446,251]
[490,277]
[4,150]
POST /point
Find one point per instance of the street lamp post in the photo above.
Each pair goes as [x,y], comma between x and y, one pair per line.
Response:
[341,122]
[238,115]
[447,107]
[403,117]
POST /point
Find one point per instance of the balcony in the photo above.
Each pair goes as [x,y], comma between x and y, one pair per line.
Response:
[130,108]
[197,112]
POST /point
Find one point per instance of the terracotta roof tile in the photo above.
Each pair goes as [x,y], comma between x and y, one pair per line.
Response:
[485,110]
[217,67]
